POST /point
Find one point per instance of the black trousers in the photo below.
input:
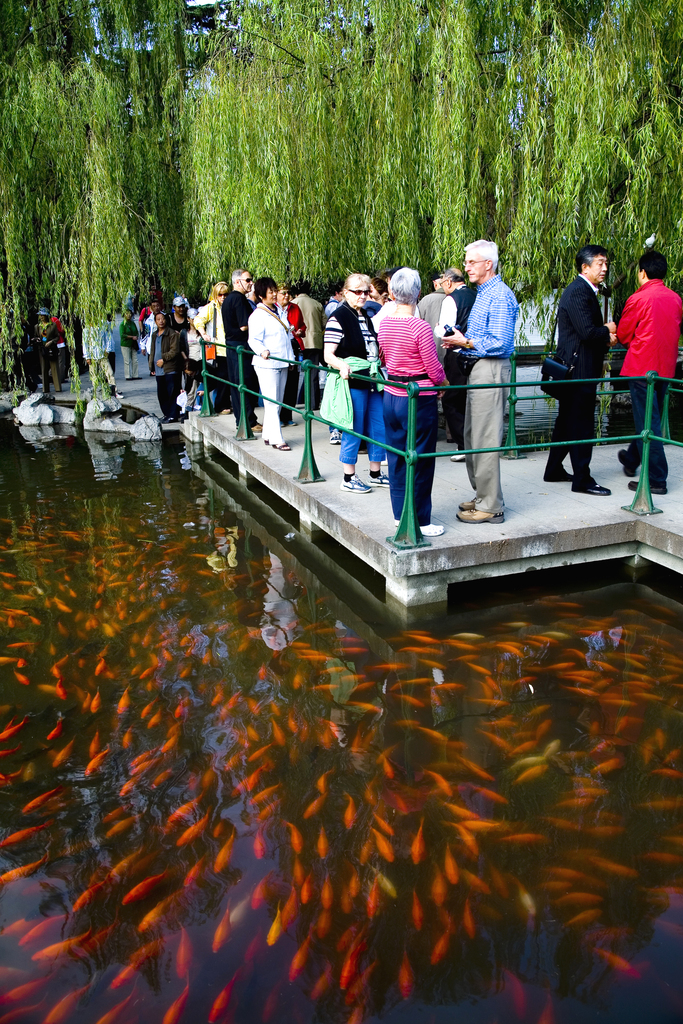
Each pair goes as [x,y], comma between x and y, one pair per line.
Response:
[659,469]
[228,368]
[575,421]
[290,395]
[316,356]
[168,389]
[454,402]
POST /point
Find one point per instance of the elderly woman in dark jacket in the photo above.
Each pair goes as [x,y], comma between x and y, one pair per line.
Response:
[165,358]
[349,334]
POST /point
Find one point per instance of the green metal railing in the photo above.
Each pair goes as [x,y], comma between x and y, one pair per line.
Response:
[408,533]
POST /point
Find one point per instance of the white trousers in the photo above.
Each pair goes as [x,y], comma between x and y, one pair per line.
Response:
[272,385]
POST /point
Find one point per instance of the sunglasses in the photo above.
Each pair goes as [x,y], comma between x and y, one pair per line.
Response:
[360,291]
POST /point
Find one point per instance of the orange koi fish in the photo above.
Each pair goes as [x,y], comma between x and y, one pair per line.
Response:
[142,889]
[23,871]
[585,917]
[136,961]
[194,831]
[300,957]
[384,847]
[417,913]
[418,850]
[224,854]
[222,1000]
[24,833]
[89,895]
[58,948]
[350,811]
[315,806]
[57,731]
[617,962]
[183,958]
[35,804]
[12,730]
[174,1012]
[63,755]
[222,933]
[42,929]
[65,1007]
[96,762]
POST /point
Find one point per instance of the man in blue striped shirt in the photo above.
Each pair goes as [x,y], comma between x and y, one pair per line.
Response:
[489,342]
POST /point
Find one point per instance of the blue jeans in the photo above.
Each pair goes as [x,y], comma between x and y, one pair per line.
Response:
[368,420]
[396,428]
[659,468]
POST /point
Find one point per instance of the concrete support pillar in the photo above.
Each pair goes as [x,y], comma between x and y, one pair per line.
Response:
[309,529]
[422,596]
[246,477]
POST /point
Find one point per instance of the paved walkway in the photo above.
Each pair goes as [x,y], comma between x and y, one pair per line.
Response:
[546,524]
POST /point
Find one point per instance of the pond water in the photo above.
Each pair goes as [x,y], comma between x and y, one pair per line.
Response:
[220,803]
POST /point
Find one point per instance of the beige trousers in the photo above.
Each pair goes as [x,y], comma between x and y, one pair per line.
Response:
[484,429]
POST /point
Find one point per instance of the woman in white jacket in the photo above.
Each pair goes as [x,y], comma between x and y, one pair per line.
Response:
[268,337]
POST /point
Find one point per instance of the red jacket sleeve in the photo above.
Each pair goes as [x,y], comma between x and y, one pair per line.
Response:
[626,328]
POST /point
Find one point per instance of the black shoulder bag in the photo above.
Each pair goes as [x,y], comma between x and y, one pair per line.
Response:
[554,369]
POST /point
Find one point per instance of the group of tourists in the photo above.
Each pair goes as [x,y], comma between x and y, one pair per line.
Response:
[381,337]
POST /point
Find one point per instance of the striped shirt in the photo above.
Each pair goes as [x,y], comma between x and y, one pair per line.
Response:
[491,326]
[407,344]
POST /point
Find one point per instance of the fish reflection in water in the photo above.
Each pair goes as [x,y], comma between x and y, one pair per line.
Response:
[216,796]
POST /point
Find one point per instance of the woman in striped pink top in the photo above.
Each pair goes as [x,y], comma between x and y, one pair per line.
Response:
[407,345]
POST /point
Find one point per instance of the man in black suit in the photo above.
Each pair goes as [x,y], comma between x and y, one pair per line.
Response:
[583,340]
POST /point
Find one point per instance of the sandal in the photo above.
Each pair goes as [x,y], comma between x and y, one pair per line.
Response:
[281,447]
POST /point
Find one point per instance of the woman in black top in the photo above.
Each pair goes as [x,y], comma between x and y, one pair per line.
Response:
[349,333]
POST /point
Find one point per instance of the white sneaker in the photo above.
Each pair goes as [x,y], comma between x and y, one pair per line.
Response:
[335,437]
[432,530]
[458,458]
[355,484]
[379,481]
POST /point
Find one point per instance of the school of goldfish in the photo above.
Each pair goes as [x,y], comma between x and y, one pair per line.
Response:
[198,824]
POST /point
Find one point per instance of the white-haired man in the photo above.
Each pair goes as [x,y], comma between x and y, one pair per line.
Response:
[488,345]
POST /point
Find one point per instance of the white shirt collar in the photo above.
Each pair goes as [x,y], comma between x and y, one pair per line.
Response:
[589,283]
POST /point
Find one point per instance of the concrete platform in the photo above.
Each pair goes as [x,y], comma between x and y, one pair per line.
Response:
[546,525]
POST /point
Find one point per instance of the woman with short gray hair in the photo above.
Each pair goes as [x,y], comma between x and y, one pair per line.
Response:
[407,344]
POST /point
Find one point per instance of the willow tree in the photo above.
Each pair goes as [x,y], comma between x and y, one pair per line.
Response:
[330,136]
[145,139]
[91,99]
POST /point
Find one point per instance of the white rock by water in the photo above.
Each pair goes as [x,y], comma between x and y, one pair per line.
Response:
[147,428]
[32,414]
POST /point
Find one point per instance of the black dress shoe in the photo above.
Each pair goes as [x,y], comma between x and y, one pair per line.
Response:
[563,477]
[594,489]
[633,486]
[622,455]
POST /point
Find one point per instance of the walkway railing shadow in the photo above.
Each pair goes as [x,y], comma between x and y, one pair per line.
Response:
[408,534]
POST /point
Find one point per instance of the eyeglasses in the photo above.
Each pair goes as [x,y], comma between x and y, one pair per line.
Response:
[472,263]
[360,291]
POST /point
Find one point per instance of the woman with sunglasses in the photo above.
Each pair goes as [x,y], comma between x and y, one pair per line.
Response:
[349,333]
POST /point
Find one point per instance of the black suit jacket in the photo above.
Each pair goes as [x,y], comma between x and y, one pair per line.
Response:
[581,329]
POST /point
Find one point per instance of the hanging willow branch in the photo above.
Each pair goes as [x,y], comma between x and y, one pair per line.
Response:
[142,139]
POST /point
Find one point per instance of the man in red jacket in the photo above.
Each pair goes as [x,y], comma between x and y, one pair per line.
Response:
[650,327]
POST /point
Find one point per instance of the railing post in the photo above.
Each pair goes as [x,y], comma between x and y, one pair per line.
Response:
[244,431]
[642,502]
[308,472]
[408,533]
[511,438]
[666,429]
[207,408]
